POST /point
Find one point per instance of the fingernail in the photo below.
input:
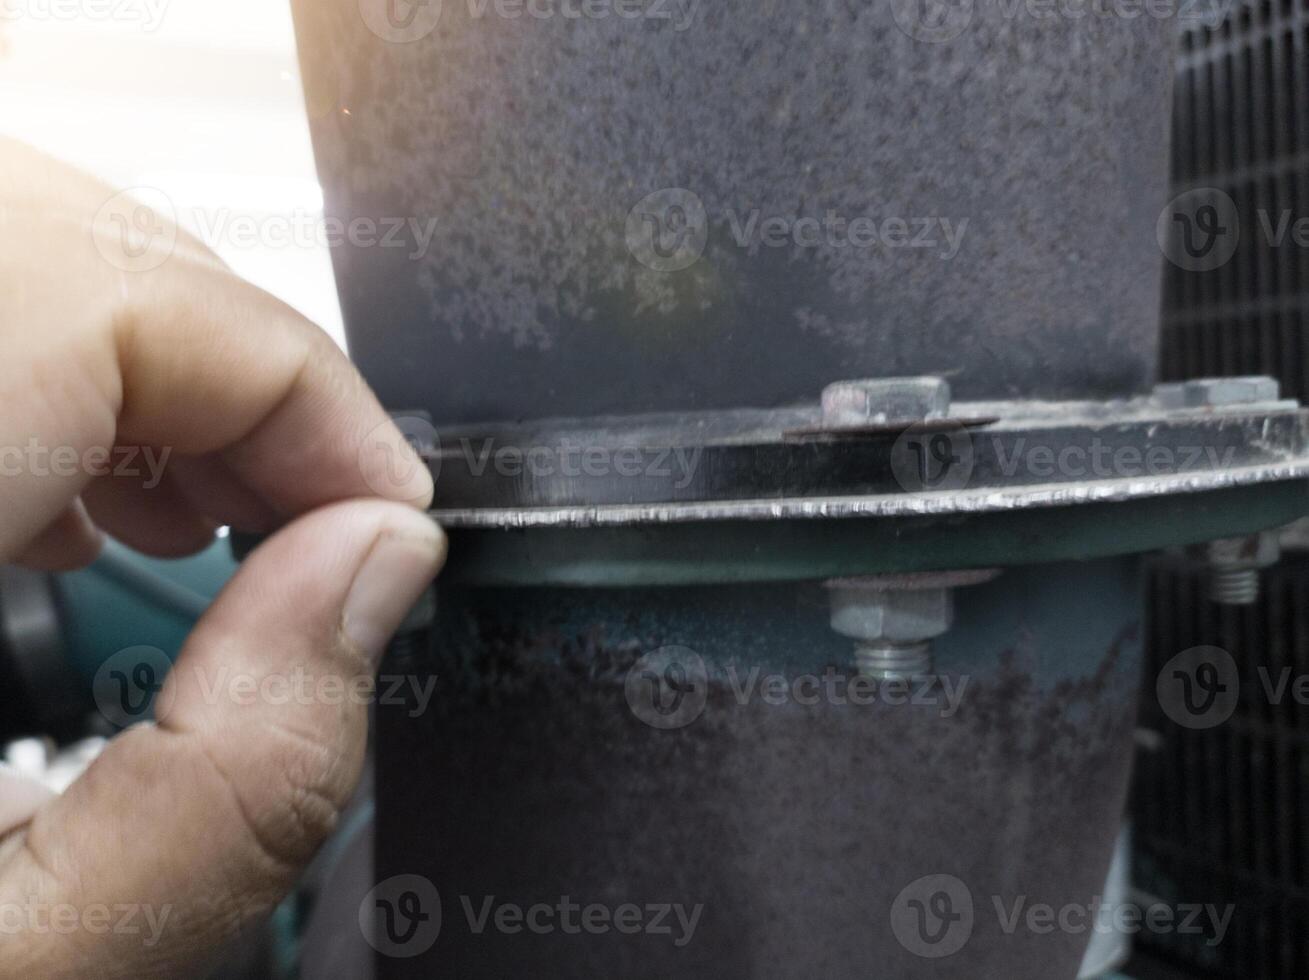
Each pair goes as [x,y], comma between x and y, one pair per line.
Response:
[402,562]
[419,487]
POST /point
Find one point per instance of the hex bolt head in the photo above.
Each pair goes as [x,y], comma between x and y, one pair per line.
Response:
[1217,392]
[879,400]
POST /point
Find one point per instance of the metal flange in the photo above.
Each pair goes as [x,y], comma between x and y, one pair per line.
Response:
[883,475]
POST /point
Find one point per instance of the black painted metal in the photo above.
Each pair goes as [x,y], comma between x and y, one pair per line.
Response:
[536,143]
[533,142]
[532,776]
[670,460]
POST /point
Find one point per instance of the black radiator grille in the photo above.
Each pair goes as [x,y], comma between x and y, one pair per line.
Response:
[1241,125]
[1222,815]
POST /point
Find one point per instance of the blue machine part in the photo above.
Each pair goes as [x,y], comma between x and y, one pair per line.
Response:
[126,600]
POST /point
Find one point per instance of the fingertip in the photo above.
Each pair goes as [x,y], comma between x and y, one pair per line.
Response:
[408,552]
[390,465]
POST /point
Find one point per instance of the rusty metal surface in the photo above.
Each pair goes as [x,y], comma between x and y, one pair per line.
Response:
[534,775]
[535,144]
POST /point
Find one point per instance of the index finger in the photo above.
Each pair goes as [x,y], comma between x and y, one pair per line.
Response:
[183,356]
[244,376]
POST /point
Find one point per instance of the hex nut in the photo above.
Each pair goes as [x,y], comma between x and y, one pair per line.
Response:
[1216,392]
[876,400]
[1252,551]
[898,616]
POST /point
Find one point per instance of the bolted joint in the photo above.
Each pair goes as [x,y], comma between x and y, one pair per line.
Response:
[1217,392]
[892,622]
[890,615]
[893,661]
[874,401]
[894,618]
[1234,565]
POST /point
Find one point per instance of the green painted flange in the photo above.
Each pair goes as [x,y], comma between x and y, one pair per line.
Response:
[792,550]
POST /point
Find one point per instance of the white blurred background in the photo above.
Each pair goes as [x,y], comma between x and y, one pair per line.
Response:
[198,98]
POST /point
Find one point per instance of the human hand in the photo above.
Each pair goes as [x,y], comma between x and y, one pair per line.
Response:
[205,817]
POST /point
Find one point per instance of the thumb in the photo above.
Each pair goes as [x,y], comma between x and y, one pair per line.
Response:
[199,823]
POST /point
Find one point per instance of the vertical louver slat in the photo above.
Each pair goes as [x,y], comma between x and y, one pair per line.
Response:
[1222,815]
